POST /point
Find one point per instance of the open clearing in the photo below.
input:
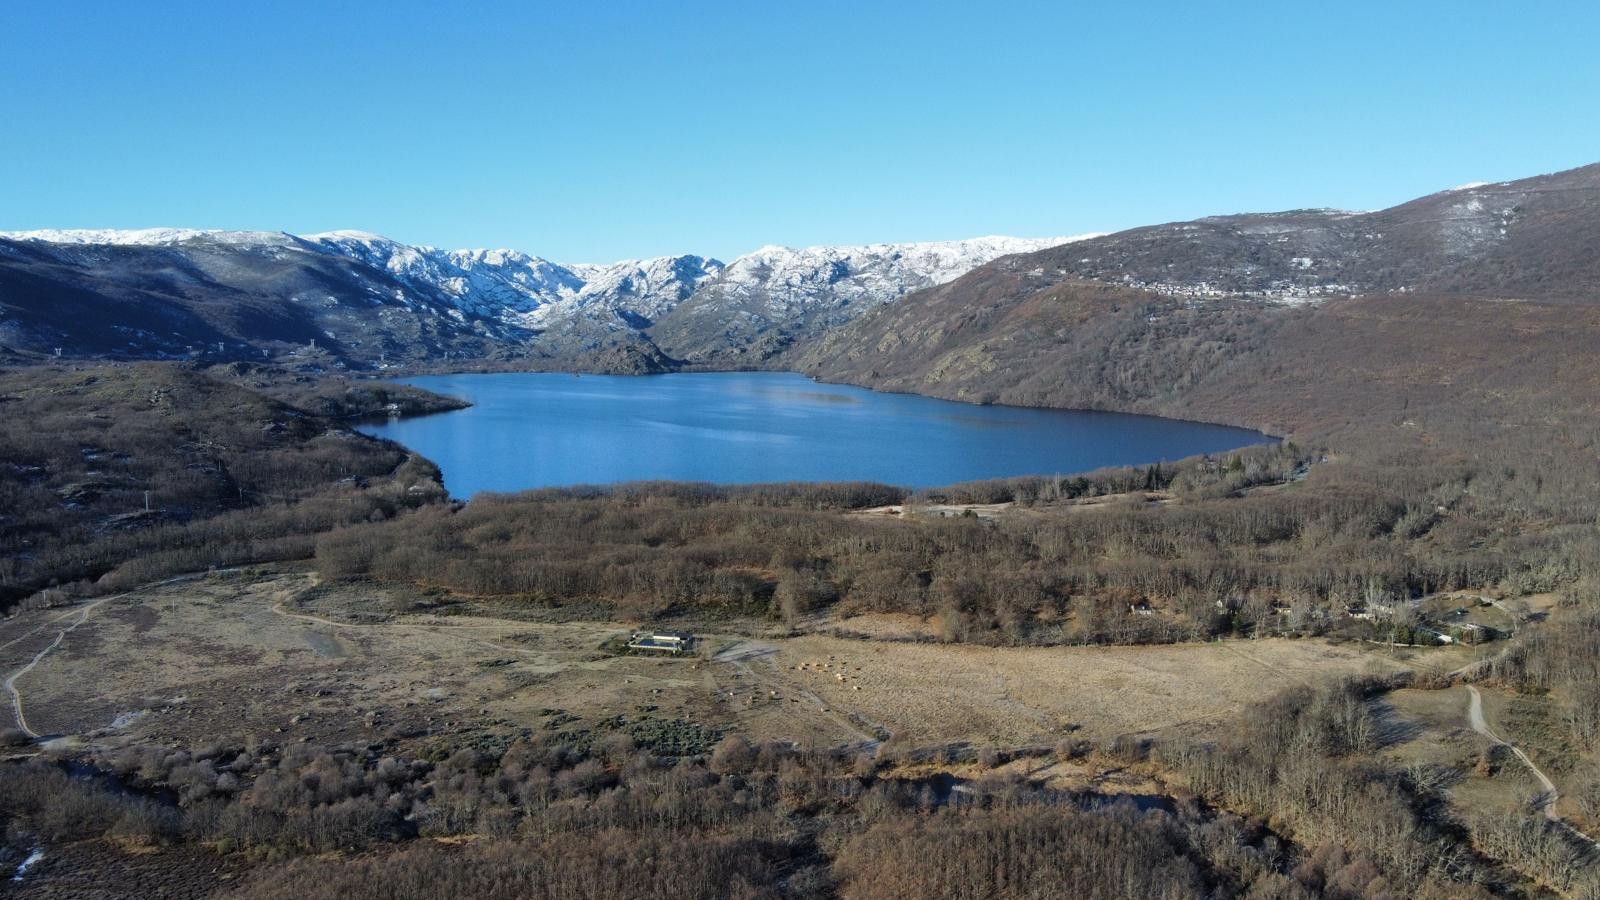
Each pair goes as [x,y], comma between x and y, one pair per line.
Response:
[924,693]
[1430,729]
[909,512]
[276,653]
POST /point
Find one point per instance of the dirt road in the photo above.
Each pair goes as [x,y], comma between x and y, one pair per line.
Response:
[82,614]
[1547,801]
[1476,720]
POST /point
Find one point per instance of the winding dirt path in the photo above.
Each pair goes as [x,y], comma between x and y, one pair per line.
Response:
[1480,725]
[82,614]
[11,680]
[1548,800]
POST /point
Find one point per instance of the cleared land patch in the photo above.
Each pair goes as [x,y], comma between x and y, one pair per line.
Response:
[280,653]
[933,692]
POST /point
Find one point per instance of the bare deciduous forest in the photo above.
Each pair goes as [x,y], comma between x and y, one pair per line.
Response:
[770,820]
[117,475]
[1222,557]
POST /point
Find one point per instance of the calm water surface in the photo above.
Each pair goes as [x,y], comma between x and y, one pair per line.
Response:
[541,430]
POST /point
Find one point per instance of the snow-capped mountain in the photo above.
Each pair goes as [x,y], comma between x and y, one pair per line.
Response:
[359,299]
[765,300]
[358,281]
[516,286]
[785,278]
[638,291]
[496,284]
[149,237]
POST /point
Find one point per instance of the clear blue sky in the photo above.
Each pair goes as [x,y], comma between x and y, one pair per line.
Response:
[592,131]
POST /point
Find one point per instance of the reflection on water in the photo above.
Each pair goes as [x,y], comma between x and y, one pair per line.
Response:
[539,430]
[718,434]
[811,396]
[967,421]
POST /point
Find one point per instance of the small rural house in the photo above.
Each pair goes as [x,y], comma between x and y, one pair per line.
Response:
[673,642]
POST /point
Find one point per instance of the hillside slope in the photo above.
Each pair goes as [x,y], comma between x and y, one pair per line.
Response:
[120,474]
[226,298]
[1288,321]
[1529,238]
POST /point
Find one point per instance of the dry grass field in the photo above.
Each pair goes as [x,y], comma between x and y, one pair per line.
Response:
[1430,736]
[275,654]
[278,653]
[924,693]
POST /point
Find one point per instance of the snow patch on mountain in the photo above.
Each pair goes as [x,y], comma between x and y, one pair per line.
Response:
[637,291]
[149,237]
[516,288]
[785,278]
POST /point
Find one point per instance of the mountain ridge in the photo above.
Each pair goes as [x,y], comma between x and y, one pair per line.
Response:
[1192,319]
[358,300]
[1463,239]
[453,304]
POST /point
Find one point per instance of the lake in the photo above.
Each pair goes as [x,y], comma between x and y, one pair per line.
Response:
[541,430]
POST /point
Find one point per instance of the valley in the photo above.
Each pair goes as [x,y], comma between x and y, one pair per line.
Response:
[248,633]
[708,451]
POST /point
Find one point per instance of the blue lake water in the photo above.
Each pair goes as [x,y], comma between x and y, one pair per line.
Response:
[541,430]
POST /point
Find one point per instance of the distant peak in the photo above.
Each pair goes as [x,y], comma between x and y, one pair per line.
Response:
[348,234]
[496,255]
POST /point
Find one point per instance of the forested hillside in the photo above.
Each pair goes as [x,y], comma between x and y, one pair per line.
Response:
[118,474]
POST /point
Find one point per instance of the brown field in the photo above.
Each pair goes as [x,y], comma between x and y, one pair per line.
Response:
[906,512]
[277,653]
[925,693]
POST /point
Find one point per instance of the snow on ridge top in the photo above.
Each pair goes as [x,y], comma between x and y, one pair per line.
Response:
[775,286]
[519,289]
[1468,186]
[146,236]
[987,246]
[991,242]
[160,237]
[645,262]
[886,270]
[789,282]
[487,254]
[348,234]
